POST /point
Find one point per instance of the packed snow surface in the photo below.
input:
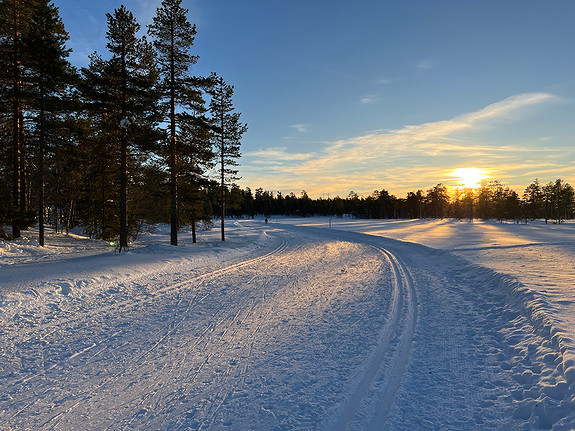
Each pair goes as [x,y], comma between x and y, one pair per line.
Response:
[295,324]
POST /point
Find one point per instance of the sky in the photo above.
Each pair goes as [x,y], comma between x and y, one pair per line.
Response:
[344,96]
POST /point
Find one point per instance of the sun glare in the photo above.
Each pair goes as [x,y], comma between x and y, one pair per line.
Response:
[469,177]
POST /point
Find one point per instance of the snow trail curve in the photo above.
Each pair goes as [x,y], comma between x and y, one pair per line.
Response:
[391,354]
[303,329]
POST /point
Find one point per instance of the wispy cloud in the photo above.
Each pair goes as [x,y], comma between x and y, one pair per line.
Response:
[302,128]
[401,159]
[426,64]
[368,100]
[278,154]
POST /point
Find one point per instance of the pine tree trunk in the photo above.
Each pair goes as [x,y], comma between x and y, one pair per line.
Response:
[123,191]
[173,147]
[16,125]
[124,162]
[223,192]
[41,181]
[15,170]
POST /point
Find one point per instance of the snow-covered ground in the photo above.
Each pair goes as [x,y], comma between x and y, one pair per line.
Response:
[366,325]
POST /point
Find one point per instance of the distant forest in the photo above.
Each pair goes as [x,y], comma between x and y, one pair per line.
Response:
[554,201]
[135,138]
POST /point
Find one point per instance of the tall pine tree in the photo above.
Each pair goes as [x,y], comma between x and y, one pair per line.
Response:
[14,20]
[228,131]
[181,92]
[50,76]
[122,98]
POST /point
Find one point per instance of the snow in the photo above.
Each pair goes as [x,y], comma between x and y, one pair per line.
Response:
[367,325]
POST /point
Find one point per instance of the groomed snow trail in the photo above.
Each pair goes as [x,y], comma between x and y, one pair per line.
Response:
[297,329]
[400,327]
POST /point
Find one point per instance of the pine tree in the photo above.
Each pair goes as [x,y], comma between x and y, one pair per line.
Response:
[122,98]
[50,76]
[196,156]
[181,93]
[533,197]
[437,200]
[14,19]
[228,133]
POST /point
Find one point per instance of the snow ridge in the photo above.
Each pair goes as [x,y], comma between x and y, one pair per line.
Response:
[555,405]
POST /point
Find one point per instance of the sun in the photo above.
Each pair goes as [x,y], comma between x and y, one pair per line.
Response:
[469,177]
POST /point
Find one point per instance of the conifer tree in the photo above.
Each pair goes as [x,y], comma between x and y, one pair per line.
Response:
[228,131]
[122,98]
[533,197]
[196,156]
[50,76]
[14,19]
[182,100]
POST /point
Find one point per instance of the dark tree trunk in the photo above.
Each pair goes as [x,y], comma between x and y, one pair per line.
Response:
[41,181]
[123,190]
[223,192]
[193,230]
[173,149]
[124,162]
[16,125]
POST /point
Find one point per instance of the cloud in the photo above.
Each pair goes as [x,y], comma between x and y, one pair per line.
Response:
[278,154]
[367,100]
[404,158]
[426,64]
[302,128]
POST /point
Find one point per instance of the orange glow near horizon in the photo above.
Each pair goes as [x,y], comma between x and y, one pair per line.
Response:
[469,177]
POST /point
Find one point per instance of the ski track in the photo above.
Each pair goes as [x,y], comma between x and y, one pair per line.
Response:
[313,329]
[400,329]
[124,306]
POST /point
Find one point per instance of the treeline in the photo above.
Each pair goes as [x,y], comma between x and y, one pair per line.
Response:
[553,201]
[124,141]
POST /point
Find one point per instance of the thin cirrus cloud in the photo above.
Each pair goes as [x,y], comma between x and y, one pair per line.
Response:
[426,64]
[402,159]
[278,156]
[301,128]
[367,100]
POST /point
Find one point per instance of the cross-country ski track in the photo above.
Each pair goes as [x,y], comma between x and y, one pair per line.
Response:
[282,328]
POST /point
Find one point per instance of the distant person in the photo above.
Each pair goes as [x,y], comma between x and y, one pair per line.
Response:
[266,220]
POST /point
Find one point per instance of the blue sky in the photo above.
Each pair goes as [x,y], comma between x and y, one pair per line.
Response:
[365,95]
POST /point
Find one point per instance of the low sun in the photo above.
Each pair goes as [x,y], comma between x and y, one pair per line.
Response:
[469,177]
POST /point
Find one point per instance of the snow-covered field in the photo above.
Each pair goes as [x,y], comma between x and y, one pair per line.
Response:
[367,325]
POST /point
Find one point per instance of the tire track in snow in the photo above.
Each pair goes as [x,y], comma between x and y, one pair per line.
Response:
[391,353]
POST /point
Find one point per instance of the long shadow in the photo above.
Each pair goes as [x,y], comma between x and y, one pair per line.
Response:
[504,247]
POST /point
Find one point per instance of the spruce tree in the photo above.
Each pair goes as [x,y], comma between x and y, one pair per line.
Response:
[228,131]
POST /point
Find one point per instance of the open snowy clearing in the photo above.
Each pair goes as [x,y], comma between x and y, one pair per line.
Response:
[292,327]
